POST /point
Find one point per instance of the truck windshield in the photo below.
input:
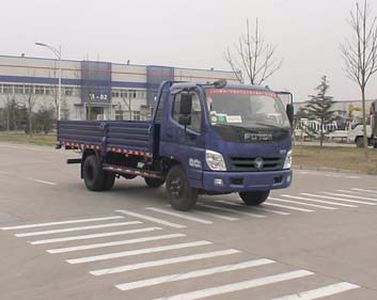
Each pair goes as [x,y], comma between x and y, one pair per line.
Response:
[245,108]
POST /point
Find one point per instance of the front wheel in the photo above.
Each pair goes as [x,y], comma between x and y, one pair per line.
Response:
[360,142]
[254,198]
[181,195]
[154,183]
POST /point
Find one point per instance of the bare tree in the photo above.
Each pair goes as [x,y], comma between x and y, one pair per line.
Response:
[253,56]
[127,100]
[360,53]
[30,100]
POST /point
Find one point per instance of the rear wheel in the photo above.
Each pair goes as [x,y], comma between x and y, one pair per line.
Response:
[181,195]
[254,198]
[154,183]
[93,174]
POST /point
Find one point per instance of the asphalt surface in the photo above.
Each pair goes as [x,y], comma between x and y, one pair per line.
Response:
[59,241]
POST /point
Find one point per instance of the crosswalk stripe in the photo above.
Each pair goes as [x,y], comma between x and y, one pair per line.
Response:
[356,193]
[302,203]
[116,243]
[193,274]
[149,218]
[232,210]
[317,200]
[289,207]
[331,198]
[261,209]
[61,223]
[94,236]
[137,252]
[164,262]
[365,190]
[77,228]
[354,197]
[207,213]
[178,215]
[239,286]
[325,291]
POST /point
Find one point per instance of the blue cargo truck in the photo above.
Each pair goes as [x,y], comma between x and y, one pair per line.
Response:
[212,138]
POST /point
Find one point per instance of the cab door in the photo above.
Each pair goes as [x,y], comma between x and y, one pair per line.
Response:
[185,143]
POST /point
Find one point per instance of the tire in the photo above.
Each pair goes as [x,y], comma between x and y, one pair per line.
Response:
[181,195]
[254,198]
[93,174]
[109,180]
[154,183]
[359,142]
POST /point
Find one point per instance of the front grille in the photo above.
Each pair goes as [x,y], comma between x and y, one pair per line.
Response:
[247,164]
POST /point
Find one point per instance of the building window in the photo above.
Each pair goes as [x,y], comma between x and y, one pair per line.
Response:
[28,89]
[47,90]
[123,94]
[39,90]
[8,89]
[115,94]
[68,91]
[19,89]
[119,114]
[136,116]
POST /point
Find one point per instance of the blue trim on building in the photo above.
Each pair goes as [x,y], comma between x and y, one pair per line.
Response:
[66,81]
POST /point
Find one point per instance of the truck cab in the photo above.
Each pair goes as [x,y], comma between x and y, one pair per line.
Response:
[223,139]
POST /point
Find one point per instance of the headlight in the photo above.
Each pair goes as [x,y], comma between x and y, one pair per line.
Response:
[215,161]
[288,160]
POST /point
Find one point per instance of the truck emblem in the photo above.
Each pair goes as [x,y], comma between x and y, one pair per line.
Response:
[258,163]
[254,137]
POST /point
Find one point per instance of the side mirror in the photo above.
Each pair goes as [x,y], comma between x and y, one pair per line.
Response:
[185,120]
[186,104]
[290,113]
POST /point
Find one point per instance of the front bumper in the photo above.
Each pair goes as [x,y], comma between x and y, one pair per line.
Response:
[232,182]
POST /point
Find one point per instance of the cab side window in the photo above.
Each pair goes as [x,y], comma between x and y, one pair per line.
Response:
[196,112]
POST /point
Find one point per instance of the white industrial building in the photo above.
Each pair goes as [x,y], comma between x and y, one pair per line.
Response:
[91,90]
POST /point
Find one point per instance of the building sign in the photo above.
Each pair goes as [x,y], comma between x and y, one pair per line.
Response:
[96,83]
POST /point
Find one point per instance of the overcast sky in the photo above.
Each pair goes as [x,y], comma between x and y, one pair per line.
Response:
[189,33]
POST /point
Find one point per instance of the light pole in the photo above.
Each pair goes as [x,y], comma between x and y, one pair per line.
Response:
[58,53]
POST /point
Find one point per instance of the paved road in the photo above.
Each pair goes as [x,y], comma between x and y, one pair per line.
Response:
[59,241]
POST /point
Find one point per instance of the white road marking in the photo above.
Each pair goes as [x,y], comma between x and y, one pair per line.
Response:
[193,274]
[62,223]
[149,218]
[354,197]
[4,172]
[302,203]
[326,174]
[239,286]
[206,213]
[41,181]
[331,198]
[364,190]
[116,243]
[232,210]
[325,291]
[77,228]
[289,207]
[318,201]
[94,236]
[164,262]
[179,215]
[137,252]
[355,193]
[258,208]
